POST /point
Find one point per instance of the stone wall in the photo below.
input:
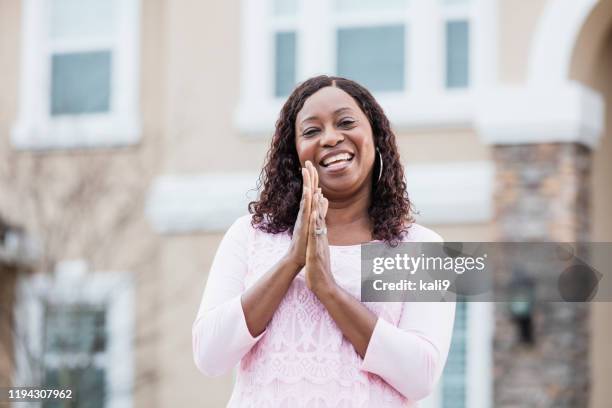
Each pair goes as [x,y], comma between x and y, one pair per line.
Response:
[542,194]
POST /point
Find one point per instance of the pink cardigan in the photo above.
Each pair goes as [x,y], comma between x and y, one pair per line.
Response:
[302,359]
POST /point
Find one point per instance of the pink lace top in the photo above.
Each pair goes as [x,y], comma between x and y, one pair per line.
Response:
[302,359]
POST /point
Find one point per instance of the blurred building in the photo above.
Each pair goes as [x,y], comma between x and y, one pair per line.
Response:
[131,132]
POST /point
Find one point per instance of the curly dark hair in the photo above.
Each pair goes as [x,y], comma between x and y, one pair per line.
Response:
[279,202]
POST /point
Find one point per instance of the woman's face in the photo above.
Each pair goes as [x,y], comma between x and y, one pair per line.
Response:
[335,135]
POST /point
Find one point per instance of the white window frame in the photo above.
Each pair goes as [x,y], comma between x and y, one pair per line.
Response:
[71,285]
[36,128]
[425,102]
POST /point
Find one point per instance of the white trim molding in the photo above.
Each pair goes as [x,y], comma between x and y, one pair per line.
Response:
[425,101]
[567,112]
[555,39]
[448,193]
[179,204]
[428,111]
[549,107]
[452,193]
[481,325]
[36,128]
[72,284]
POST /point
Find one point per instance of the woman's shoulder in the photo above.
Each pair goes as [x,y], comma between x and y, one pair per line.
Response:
[244,225]
[419,233]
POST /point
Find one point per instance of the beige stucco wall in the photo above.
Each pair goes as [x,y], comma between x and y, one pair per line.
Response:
[601,358]
[586,56]
[517,23]
[591,64]
[10,14]
[186,263]
[44,192]
[441,146]
[203,71]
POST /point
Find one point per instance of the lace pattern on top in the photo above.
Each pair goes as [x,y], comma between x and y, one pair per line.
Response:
[304,359]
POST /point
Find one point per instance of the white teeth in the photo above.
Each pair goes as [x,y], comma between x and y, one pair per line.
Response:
[337,157]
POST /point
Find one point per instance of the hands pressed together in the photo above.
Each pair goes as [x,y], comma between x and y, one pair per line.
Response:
[309,246]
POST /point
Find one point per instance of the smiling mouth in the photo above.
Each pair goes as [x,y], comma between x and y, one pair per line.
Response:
[336,159]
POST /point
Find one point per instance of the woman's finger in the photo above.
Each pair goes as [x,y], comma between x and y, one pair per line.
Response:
[311,172]
[306,192]
[309,167]
[318,209]
[312,225]
[325,206]
[306,180]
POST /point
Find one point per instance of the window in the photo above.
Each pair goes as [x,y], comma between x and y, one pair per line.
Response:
[373,56]
[80,48]
[421,58]
[80,82]
[457,43]
[371,51]
[285,63]
[454,379]
[79,78]
[457,54]
[285,46]
[75,330]
[75,355]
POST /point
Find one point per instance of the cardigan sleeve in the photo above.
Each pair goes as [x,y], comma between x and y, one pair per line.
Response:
[220,336]
[411,356]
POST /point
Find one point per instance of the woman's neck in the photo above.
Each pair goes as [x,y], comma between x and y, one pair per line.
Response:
[344,212]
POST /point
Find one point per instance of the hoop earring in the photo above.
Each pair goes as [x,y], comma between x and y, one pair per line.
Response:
[380,169]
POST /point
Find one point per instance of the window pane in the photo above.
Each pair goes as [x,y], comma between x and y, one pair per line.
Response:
[74,329]
[457,54]
[369,5]
[285,7]
[80,82]
[373,56]
[284,63]
[81,18]
[87,385]
[453,379]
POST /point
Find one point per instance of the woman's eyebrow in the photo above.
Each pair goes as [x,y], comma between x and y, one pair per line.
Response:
[308,119]
[336,112]
[342,110]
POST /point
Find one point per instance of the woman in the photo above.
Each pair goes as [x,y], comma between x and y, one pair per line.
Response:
[282,297]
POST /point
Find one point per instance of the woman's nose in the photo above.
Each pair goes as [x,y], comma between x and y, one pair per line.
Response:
[331,137]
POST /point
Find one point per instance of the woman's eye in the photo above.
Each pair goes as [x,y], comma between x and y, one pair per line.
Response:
[310,132]
[347,123]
